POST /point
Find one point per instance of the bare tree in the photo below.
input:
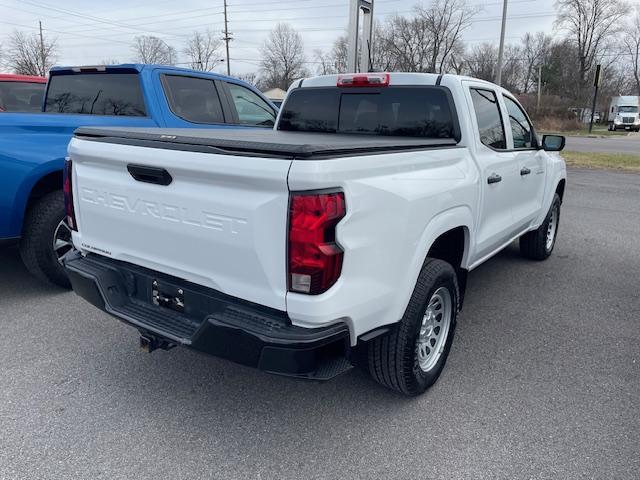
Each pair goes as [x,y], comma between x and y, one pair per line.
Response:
[333,61]
[560,74]
[109,61]
[445,20]
[406,44]
[251,77]
[202,50]
[534,49]
[512,68]
[457,59]
[590,24]
[426,41]
[28,55]
[324,61]
[150,49]
[339,54]
[481,61]
[282,57]
[632,47]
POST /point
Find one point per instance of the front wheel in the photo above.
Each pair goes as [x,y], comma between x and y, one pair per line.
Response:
[46,239]
[538,244]
[411,357]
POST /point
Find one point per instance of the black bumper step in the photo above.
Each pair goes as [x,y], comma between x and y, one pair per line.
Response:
[210,321]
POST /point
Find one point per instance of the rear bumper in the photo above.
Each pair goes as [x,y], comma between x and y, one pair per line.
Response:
[211,321]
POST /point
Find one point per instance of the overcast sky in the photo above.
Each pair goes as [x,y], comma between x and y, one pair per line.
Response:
[88,32]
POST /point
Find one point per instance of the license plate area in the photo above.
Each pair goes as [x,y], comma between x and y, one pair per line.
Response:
[167,296]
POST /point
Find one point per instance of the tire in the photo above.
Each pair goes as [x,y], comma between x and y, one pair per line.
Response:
[37,242]
[538,244]
[394,359]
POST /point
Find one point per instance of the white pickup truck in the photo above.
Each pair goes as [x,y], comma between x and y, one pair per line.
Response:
[342,236]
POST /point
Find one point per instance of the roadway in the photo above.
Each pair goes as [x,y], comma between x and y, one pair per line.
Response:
[614,144]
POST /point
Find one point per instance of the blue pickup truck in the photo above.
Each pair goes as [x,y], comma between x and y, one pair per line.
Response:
[33,145]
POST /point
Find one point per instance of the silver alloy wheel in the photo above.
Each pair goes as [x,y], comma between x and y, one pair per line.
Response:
[552,228]
[61,240]
[434,329]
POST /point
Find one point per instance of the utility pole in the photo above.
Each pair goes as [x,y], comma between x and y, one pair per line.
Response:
[596,84]
[42,59]
[227,38]
[539,86]
[501,50]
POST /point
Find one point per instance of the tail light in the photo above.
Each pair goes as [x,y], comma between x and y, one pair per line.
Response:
[315,259]
[363,80]
[68,195]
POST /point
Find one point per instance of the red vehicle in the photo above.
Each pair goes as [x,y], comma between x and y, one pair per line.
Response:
[21,93]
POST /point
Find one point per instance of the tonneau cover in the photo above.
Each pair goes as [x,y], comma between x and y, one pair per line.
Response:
[260,142]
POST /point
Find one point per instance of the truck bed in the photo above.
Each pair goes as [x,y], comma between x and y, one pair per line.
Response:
[262,143]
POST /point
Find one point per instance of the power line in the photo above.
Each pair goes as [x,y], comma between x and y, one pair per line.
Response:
[31,27]
[89,17]
[155,22]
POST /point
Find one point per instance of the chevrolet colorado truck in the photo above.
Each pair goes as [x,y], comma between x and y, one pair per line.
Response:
[342,236]
[34,145]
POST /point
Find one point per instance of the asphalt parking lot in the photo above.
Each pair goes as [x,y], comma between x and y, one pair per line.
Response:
[543,380]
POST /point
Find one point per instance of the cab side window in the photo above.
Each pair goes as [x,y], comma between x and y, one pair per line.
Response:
[490,127]
[520,127]
[252,110]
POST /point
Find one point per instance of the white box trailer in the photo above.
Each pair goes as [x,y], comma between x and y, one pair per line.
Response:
[623,113]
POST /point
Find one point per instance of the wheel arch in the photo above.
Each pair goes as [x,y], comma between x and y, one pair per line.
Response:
[48,183]
[560,188]
[448,237]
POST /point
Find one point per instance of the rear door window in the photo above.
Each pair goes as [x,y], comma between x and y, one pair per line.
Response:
[402,111]
[490,127]
[252,110]
[96,94]
[193,99]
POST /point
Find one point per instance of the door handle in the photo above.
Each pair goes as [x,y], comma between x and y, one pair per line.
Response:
[143,173]
[494,178]
[525,171]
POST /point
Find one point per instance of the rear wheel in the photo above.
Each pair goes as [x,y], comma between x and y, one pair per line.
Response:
[411,357]
[538,244]
[46,239]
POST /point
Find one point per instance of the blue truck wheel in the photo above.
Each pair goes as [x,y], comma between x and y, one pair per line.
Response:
[38,242]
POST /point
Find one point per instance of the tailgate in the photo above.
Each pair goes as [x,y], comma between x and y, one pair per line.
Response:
[221,222]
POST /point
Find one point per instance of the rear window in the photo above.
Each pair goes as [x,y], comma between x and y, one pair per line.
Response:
[21,96]
[402,111]
[96,94]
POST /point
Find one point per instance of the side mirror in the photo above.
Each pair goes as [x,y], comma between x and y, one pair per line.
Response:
[553,143]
